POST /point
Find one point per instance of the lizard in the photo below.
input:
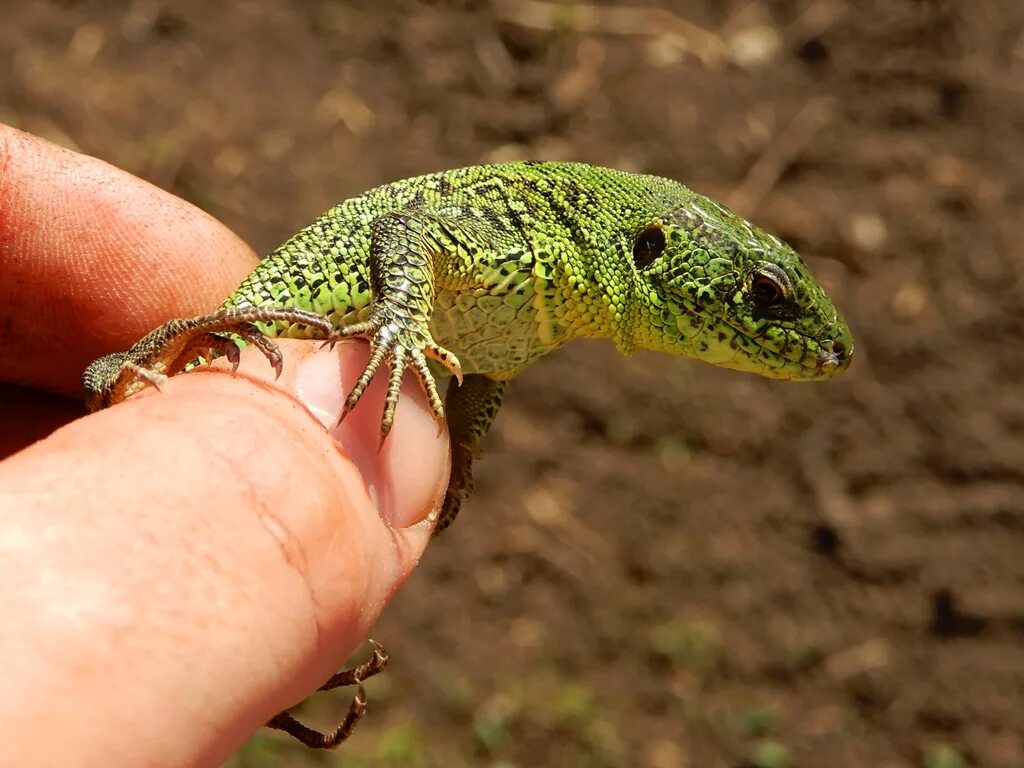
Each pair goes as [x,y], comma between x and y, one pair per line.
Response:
[477,272]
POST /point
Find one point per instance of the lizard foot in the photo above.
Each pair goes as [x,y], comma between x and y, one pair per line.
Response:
[314,739]
[400,347]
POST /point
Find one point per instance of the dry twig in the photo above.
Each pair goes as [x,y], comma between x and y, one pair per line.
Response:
[764,174]
[583,17]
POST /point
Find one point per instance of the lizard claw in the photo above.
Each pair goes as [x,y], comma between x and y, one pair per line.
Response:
[233,355]
[445,358]
[400,349]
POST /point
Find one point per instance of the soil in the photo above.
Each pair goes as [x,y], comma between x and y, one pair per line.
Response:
[665,564]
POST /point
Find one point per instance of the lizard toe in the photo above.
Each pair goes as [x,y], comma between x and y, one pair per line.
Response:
[377,356]
[426,379]
[444,357]
[401,348]
[399,360]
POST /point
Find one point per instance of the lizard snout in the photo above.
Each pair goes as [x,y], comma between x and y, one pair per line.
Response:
[836,355]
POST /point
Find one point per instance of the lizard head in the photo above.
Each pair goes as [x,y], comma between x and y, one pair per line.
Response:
[717,288]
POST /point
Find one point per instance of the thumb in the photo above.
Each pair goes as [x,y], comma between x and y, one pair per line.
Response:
[185,565]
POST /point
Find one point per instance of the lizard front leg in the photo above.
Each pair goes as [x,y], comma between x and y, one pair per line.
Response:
[403,249]
[471,410]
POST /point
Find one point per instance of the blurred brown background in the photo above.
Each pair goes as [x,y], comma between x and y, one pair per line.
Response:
[666,564]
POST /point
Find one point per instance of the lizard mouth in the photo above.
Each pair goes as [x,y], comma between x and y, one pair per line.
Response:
[823,354]
[834,352]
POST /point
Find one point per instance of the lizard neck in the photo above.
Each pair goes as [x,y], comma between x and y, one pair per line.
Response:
[662,325]
[598,288]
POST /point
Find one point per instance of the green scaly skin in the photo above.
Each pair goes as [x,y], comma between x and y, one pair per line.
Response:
[482,271]
[488,268]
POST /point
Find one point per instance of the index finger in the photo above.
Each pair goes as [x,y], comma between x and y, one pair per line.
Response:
[92,258]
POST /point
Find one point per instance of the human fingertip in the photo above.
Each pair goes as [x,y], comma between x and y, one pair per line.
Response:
[318,386]
[406,474]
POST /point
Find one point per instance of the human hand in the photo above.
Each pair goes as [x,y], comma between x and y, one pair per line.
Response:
[179,568]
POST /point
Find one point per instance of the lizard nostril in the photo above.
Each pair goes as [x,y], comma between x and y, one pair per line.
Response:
[839,349]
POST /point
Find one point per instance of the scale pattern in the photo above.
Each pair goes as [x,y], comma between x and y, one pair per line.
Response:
[529,255]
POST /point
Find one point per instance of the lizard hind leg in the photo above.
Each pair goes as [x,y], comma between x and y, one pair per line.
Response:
[471,410]
[170,348]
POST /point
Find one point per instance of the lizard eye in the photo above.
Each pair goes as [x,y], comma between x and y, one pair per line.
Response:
[769,285]
[765,291]
[648,246]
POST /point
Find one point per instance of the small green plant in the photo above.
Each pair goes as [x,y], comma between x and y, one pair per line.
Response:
[691,645]
[576,703]
[490,731]
[399,745]
[944,756]
[259,752]
[770,754]
[756,721]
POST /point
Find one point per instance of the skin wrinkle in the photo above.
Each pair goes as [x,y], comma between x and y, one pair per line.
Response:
[228,462]
[287,547]
[224,462]
[393,537]
[300,565]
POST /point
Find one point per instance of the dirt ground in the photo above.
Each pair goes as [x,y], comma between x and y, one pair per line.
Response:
[666,564]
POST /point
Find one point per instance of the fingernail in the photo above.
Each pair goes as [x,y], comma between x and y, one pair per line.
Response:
[321,387]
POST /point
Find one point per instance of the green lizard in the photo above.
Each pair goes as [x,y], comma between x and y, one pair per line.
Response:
[478,272]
